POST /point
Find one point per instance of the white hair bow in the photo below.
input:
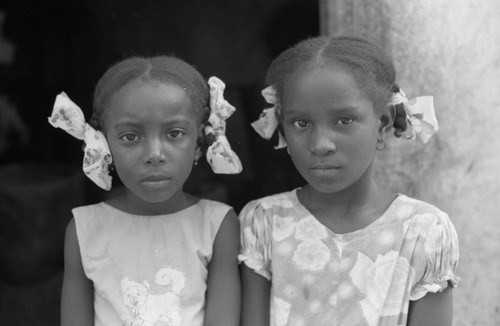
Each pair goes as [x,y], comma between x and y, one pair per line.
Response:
[420,117]
[97,158]
[220,156]
[267,122]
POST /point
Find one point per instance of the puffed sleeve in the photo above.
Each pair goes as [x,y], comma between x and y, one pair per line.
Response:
[441,258]
[256,238]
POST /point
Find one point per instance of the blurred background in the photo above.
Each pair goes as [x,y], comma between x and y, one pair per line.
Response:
[450,50]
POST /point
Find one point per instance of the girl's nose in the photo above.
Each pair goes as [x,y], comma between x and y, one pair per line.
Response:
[155,152]
[322,142]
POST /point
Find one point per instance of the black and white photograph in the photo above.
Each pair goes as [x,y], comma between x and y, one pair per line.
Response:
[249,163]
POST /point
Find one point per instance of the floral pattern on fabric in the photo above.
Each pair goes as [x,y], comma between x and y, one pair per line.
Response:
[366,277]
[97,156]
[220,156]
[159,305]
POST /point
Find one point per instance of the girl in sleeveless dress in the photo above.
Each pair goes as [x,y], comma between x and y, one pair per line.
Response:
[153,254]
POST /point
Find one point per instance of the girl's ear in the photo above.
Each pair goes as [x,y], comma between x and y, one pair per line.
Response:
[386,121]
[198,152]
[201,142]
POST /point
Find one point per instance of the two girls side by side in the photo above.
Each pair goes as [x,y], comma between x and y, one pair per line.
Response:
[341,250]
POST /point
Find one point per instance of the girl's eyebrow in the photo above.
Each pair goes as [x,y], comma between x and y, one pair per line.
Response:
[346,109]
[339,110]
[134,123]
[125,124]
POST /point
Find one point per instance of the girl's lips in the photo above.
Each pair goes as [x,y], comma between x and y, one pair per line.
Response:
[325,170]
[325,167]
[155,182]
[155,178]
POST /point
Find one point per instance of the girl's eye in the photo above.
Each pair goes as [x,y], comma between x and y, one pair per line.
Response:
[175,133]
[345,121]
[300,124]
[128,137]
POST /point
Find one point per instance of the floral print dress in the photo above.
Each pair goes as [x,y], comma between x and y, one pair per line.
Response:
[366,277]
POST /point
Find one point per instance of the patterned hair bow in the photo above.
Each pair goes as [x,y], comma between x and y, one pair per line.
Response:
[267,122]
[220,156]
[420,118]
[97,158]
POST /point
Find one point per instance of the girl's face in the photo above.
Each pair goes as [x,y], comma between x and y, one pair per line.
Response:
[152,131]
[330,127]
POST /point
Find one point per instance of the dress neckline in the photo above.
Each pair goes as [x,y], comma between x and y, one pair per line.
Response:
[151,216]
[379,220]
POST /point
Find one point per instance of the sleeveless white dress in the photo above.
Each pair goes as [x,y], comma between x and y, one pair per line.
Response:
[148,270]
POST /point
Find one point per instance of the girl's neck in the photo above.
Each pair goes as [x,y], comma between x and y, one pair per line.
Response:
[361,199]
[128,202]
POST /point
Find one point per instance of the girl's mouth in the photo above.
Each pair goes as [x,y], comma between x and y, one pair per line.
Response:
[155,181]
[155,178]
[325,167]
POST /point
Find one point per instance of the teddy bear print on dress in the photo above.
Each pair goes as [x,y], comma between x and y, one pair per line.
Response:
[157,304]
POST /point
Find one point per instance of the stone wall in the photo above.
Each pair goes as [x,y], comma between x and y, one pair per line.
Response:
[452,51]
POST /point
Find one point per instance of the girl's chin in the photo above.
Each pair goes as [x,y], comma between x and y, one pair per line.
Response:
[327,190]
[156,197]
[325,187]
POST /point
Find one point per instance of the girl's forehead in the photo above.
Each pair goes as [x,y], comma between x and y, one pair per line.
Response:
[321,82]
[141,100]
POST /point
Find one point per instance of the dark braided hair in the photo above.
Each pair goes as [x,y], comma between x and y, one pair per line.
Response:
[399,115]
[373,70]
[163,69]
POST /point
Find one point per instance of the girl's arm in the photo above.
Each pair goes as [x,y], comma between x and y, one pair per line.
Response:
[223,285]
[77,297]
[256,291]
[433,309]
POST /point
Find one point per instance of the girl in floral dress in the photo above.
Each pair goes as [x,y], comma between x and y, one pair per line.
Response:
[343,250]
[152,254]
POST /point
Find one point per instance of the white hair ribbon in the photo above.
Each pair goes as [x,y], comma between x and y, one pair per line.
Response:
[220,156]
[267,122]
[420,117]
[97,158]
